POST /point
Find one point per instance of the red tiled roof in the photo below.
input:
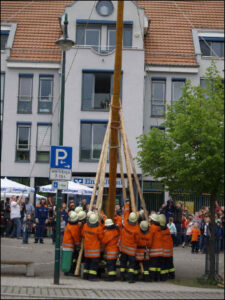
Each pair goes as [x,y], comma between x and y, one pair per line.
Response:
[169,41]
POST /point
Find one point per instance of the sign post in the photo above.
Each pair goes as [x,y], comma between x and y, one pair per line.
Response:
[60,170]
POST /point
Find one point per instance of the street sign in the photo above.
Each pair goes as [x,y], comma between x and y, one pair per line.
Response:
[60,185]
[61,163]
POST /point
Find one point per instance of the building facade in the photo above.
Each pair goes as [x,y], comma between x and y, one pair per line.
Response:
[158,56]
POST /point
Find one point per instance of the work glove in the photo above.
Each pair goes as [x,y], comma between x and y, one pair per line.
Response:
[36,220]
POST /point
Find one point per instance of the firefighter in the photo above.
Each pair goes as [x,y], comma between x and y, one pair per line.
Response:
[155,247]
[92,233]
[110,242]
[41,218]
[167,269]
[128,244]
[78,209]
[71,244]
[118,216]
[142,253]
[82,217]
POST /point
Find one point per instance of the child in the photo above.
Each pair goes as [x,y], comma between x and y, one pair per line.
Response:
[172,228]
[189,227]
[27,228]
[195,235]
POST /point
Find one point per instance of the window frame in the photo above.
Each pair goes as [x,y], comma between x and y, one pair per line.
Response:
[210,41]
[90,122]
[113,28]
[158,80]
[45,77]
[47,125]
[6,33]
[31,76]
[2,94]
[172,87]
[26,125]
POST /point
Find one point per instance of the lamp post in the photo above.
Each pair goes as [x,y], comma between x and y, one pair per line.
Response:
[65,44]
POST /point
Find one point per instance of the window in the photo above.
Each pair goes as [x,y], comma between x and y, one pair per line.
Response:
[104,8]
[97,88]
[212,46]
[158,97]
[158,127]
[127,37]
[92,135]
[2,93]
[88,36]
[23,142]
[25,94]
[45,98]
[177,85]
[43,142]
[4,38]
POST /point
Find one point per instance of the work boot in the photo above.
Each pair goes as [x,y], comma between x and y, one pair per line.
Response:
[110,278]
[41,242]
[36,241]
[131,277]
[122,276]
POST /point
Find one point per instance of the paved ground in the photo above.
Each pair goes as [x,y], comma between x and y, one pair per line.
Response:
[14,284]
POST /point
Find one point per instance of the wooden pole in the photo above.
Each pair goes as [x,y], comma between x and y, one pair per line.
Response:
[134,170]
[115,106]
[126,154]
[100,162]
[122,175]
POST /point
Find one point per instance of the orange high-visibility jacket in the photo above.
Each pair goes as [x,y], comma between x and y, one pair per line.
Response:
[92,240]
[155,241]
[129,235]
[142,252]
[167,242]
[195,233]
[110,241]
[118,220]
[72,236]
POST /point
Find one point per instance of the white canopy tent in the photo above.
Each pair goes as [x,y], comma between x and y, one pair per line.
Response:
[9,186]
[73,188]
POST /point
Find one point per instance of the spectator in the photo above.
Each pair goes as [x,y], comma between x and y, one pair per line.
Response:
[189,227]
[8,221]
[62,227]
[29,207]
[15,216]
[27,228]
[195,235]
[206,235]
[218,236]
[51,219]
[178,221]
[2,222]
[71,205]
[84,204]
[162,209]
[218,208]
[183,228]
[64,212]
[41,218]
[169,209]
[196,219]
[186,212]
[172,229]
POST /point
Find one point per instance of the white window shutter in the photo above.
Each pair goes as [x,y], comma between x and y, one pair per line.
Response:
[44,137]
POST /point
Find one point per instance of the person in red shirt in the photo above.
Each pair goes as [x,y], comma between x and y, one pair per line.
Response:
[183,228]
[195,234]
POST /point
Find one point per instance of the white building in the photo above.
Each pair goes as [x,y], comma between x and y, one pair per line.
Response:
[161,49]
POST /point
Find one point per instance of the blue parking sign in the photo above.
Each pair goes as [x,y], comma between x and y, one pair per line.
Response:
[61,157]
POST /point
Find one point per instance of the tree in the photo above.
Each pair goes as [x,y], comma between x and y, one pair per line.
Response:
[189,154]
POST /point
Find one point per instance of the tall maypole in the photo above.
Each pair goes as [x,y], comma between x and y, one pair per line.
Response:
[115,112]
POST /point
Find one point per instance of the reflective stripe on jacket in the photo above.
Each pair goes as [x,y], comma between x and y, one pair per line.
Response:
[72,236]
[167,242]
[155,241]
[110,242]
[142,252]
[92,240]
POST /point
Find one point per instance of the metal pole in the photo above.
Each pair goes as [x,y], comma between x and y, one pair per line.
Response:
[59,192]
[115,108]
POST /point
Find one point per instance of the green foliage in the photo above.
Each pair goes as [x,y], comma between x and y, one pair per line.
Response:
[189,155]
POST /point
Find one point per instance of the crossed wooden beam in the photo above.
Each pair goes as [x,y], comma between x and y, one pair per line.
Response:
[100,176]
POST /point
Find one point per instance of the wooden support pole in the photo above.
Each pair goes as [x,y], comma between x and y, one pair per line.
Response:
[122,176]
[134,170]
[102,177]
[115,106]
[126,154]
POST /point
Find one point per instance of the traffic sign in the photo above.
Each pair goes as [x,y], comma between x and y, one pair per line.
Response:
[61,163]
[60,185]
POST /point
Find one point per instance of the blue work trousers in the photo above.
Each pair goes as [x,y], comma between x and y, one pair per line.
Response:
[40,230]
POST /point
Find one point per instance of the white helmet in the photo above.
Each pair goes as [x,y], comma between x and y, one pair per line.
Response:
[109,222]
[144,225]
[89,213]
[141,213]
[73,216]
[78,209]
[162,220]
[93,219]
[81,215]
[154,217]
[133,217]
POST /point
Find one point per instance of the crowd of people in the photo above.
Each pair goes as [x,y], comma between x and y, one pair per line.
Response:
[141,246]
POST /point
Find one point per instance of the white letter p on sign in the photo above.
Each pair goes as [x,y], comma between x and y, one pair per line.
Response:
[59,157]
